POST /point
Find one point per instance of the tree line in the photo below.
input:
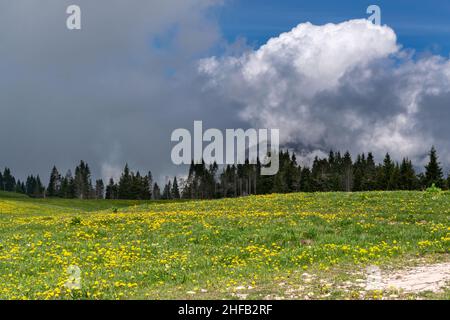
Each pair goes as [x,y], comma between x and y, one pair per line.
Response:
[337,172]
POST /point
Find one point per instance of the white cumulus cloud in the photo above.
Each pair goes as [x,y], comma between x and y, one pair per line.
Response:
[348,86]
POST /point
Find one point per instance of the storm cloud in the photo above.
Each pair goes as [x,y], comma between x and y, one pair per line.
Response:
[110,93]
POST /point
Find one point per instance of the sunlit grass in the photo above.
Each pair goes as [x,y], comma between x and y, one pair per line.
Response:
[207,249]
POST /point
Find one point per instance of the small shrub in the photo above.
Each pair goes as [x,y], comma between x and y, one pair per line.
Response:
[115,210]
[75,221]
[434,189]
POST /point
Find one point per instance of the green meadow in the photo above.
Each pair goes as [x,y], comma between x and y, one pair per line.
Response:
[296,246]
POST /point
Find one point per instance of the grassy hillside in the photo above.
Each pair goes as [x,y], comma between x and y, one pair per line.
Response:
[14,203]
[250,248]
[12,195]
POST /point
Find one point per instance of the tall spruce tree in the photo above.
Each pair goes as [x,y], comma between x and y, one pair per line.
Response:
[68,186]
[29,185]
[20,187]
[369,179]
[144,189]
[9,182]
[156,192]
[386,171]
[394,178]
[347,177]
[39,190]
[125,183]
[99,189]
[408,179]
[305,180]
[112,191]
[54,185]
[136,186]
[82,181]
[175,189]
[359,172]
[433,173]
[167,193]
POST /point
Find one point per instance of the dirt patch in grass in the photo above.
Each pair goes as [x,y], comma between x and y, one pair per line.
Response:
[432,278]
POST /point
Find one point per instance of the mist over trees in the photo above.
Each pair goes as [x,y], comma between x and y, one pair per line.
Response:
[337,172]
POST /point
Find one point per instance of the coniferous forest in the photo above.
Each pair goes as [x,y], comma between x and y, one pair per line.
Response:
[336,173]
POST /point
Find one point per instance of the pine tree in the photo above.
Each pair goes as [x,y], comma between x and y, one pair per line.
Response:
[87,178]
[408,178]
[125,184]
[369,180]
[334,163]
[82,181]
[175,189]
[211,180]
[359,172]
[386,171]
[422,181]
[167,193]
[9,182]
[319,175]
[99,189]
[227,179]
[111,190]
[156,192]
[136,187]
[394,180]
[144,189]
[54,185]
[39,189]
[305,180]
[433,173]
[201,181]
[20,187]
[67,186]
[29,185]
[348,177]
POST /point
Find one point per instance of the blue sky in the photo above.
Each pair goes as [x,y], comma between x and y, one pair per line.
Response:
[421,25]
